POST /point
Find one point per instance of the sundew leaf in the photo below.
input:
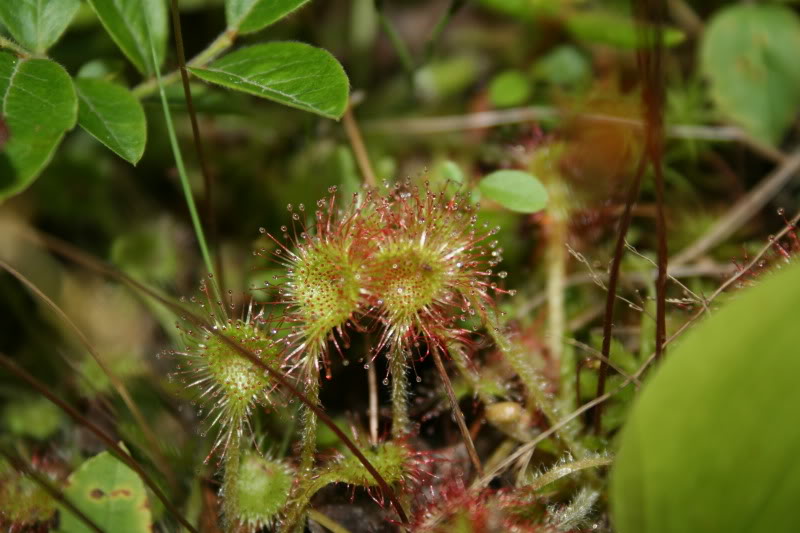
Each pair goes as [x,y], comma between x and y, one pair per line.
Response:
[129,22]
[749,54]
[614,30]
[37,106]
[112,115]
[37,24]
[294,74]
[515,190]
[711,444]
[110,494]
[248,16]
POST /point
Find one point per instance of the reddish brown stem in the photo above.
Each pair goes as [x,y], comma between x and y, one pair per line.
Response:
[208,201]
[650,14]
[109,441]
[21,465]
[462,424]
[95,264]
[613,279]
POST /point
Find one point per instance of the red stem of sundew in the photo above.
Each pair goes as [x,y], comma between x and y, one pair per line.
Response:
[649,14]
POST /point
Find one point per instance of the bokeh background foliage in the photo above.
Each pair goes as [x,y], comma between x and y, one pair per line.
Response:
[530,107]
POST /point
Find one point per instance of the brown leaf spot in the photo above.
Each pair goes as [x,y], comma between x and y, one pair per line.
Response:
[121,492]
[97,494]
[5,133]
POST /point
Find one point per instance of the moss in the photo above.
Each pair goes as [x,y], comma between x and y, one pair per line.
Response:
[22,500]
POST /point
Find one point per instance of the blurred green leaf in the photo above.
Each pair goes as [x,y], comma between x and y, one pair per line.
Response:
[110,494]
[509,89]
[148,252]
[515,190]
[37,24]
[749,54]
[294,74]
[247,16]
[113,116]
[614,30]
[446,78]
[711,444]
[38,105]
[564,65]
[32,416]
[106,69]
[452,172]
[131,23]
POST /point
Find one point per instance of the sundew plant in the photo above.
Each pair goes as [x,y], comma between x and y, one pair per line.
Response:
[369,265]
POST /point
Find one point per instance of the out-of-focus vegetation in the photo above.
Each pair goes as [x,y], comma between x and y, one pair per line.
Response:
[435,139]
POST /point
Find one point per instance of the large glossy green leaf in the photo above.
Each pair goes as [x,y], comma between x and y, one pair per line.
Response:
[294,74]
[131,23]
[247,16]
[37,106]
[515,190]
[614,30]
[749,54]
[37,24]
[110,494]
[713,444]
[111,114]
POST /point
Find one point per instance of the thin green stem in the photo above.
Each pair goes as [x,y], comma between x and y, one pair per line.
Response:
[208,208]
[309,433]
[187,190]
[118,385]
[533,383]
[452,9]
[305,490]
[217,46]
[398,366]
[14,47]
[396,40]
[230,490]
[565,469]
[327,522]
[556,259]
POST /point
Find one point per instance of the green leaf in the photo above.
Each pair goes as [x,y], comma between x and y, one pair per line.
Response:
[509,88]
[293,74]
[452,172]
[37,24]
[565,66]
[263,488]
[37,106]
[113,116]
[749,54]
[32,416]
[110,494]
[515,190]
[712,443]
[247,16]
[613,30]
[130,23]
